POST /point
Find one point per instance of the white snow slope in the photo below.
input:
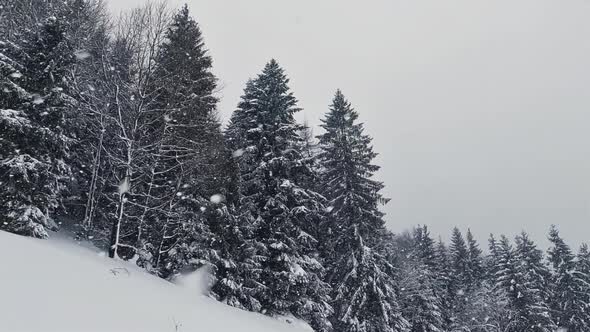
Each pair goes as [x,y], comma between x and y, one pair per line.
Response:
[55,286]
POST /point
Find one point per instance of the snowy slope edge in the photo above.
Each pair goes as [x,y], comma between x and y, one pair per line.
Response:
[49,286]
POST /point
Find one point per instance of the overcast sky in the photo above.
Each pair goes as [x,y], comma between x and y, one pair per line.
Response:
[480,110]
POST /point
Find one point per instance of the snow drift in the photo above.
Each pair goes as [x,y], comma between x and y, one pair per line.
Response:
[55,286]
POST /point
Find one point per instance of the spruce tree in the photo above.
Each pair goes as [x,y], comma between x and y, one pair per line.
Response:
[491,261]
[466,275]
[582,275]
[34,145]
[283,214]
[424,247]
[523,277]
[310,150]
[189,160]
[444,282]
[19,18]
[233,257]
[567,300]
[460,261]
[476,267]
[487,310]
[419,291]
[186,93]
[419,301]
[365,296]
[487,305]
[459,285]
[531,285]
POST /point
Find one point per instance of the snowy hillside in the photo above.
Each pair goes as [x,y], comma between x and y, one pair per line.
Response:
[53,285]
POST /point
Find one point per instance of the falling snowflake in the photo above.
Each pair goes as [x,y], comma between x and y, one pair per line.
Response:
[216,199]
[37,100]
[123,186]
[238,153]
[81,54]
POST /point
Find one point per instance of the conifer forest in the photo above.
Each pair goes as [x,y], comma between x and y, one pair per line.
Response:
[110,134]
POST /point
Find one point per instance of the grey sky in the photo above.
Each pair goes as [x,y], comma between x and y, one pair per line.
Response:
[480,109]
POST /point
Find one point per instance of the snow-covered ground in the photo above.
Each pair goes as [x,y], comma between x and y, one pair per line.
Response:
[54,285]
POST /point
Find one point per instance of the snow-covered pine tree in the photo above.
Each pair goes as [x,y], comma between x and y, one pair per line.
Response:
[187,96]
[288,272]
[419,292]
[486,306]
[582,275]
[476,267]
[310,146]
[523,277]
[444,282]
[420,304]
[6,22]
[460,262]
[460,275]
[491,260]
[309,151]
[365,297]
[505,277]
[190,162]
[567,300]
[487,310]
[424,247]
[532,294]
[435,257]
[233,256]
[34,145]
[18,18]
[11,78]
[391,248]
[466,276]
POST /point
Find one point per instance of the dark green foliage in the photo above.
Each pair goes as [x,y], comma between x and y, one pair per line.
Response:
[283,215]
[570,309]
[189,160]
[420,292]
[476,268]
[582,276]
[522,275]
[365,297]
[34,145]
